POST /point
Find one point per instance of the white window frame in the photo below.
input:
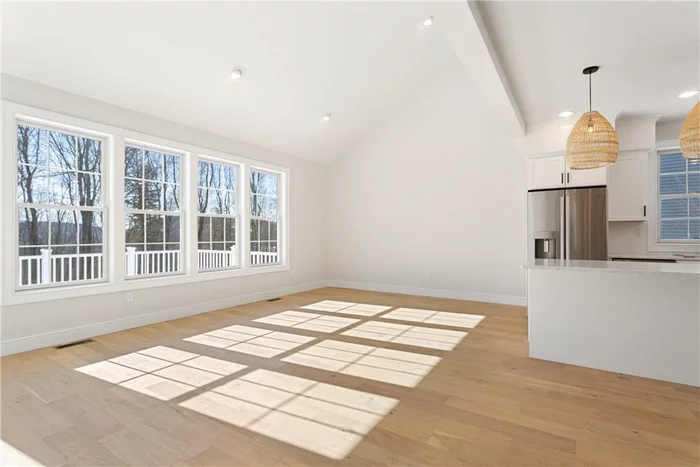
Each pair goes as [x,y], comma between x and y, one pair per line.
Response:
[144,146]
[281,216]
[19,119]
[237,217]
[114,221]
[654,243]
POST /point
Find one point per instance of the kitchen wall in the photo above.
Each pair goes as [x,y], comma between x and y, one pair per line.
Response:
[433,202]
[47,323]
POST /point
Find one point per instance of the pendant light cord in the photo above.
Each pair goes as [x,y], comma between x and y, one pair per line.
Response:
[590,95]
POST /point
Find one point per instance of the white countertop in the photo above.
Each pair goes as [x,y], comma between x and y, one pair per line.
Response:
[652,256]
[616,266]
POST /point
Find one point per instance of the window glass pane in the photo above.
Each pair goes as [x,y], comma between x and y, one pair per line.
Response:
[63,151]
[230,231]
[263,183]
[672,184]
[229,245]
[671,163]
[229,178]
[203,170]
[694,182]
[133,160]
[133,194]
[694,229]
[134,228]
[172,197]
[153,165]
[264,230]
[229,203]
[33,227]
[694,166]
[157,259]
[63,187]
[203,246]
[32,145]
[694,207]
[204,229]
[154,228]
[273,248]
[153,196]
[172,228]
[674,229]
[671,208]
[254,229]
[64,227]
[89,189]
[32,184]
[89,227]
[268,206]
[273,230]
[217,246]
[172,169]
[217,229]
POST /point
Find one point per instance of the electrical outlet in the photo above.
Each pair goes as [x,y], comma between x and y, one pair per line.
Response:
[129,297]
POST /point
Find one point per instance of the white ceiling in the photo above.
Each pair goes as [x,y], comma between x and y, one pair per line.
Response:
[301,60]
[648,52]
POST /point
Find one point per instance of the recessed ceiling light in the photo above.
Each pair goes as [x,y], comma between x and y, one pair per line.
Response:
[237,73]
[566,113]
[427,22]
[326,117]
[688,94]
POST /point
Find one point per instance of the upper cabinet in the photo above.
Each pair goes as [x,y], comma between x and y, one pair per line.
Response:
[627,187]
[545,172]
[552,172]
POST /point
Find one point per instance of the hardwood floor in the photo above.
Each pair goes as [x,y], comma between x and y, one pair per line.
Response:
[484,403]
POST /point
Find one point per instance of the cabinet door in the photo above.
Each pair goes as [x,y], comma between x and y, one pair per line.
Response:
[545,172]
[590,177]
[627,188]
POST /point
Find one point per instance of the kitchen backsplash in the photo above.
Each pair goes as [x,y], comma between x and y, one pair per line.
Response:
[627,238]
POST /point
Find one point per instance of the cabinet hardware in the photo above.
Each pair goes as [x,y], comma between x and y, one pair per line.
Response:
[562,178]
[645,210]
[567,177]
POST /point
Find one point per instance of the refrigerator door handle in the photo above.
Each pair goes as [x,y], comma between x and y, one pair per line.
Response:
[562,232]
[567,209]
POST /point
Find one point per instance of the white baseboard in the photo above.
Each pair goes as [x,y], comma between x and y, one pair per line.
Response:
[427,292]
[63,336]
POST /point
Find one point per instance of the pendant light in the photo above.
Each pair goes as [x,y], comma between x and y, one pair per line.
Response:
[690,135]
[592,142]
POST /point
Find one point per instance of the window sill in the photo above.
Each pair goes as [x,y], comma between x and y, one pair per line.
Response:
[20,297]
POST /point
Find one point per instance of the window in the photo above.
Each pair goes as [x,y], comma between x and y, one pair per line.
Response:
[152,204]
[217,218]
[59,203]
[264,218]
[679,198]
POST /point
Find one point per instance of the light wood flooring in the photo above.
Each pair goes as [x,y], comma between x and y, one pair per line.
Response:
[485,403]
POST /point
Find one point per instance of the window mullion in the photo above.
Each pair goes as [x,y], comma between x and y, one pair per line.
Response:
[188,241]
[245,214]
[116,219]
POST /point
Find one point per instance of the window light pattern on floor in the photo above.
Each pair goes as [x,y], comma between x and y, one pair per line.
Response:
[250,340]
[322,418]
[308,321]
[161,372]
[459,320]
[359,309]
[389,366]
[419,336]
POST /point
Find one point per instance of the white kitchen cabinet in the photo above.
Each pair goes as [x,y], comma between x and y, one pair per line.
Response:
[627,187]
[552,172]
[589,177]
[545,172]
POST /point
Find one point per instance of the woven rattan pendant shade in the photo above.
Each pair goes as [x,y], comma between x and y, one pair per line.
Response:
[690,134]
[592,143]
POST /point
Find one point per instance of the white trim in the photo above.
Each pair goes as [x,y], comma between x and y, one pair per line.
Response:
[63,336]
[428,292]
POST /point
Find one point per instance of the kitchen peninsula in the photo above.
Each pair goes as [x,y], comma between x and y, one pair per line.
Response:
[635,318]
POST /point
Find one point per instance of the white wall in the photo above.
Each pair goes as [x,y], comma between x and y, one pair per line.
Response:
[433,202]
[48,323]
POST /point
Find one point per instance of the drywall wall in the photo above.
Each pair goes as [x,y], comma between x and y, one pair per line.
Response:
[433,202]
[47,323]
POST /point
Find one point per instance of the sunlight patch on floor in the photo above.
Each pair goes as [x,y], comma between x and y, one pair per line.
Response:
[443,318]
[322,418]
[375,363]
[308,321]
[419,336]
[249,340]
[171,374]
[359,309]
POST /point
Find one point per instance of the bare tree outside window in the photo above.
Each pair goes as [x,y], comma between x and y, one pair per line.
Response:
[59,198]
[217,219]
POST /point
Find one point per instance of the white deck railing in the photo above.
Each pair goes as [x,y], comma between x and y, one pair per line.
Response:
[47,268]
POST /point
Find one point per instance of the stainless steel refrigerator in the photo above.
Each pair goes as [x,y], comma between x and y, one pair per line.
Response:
[568,224]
